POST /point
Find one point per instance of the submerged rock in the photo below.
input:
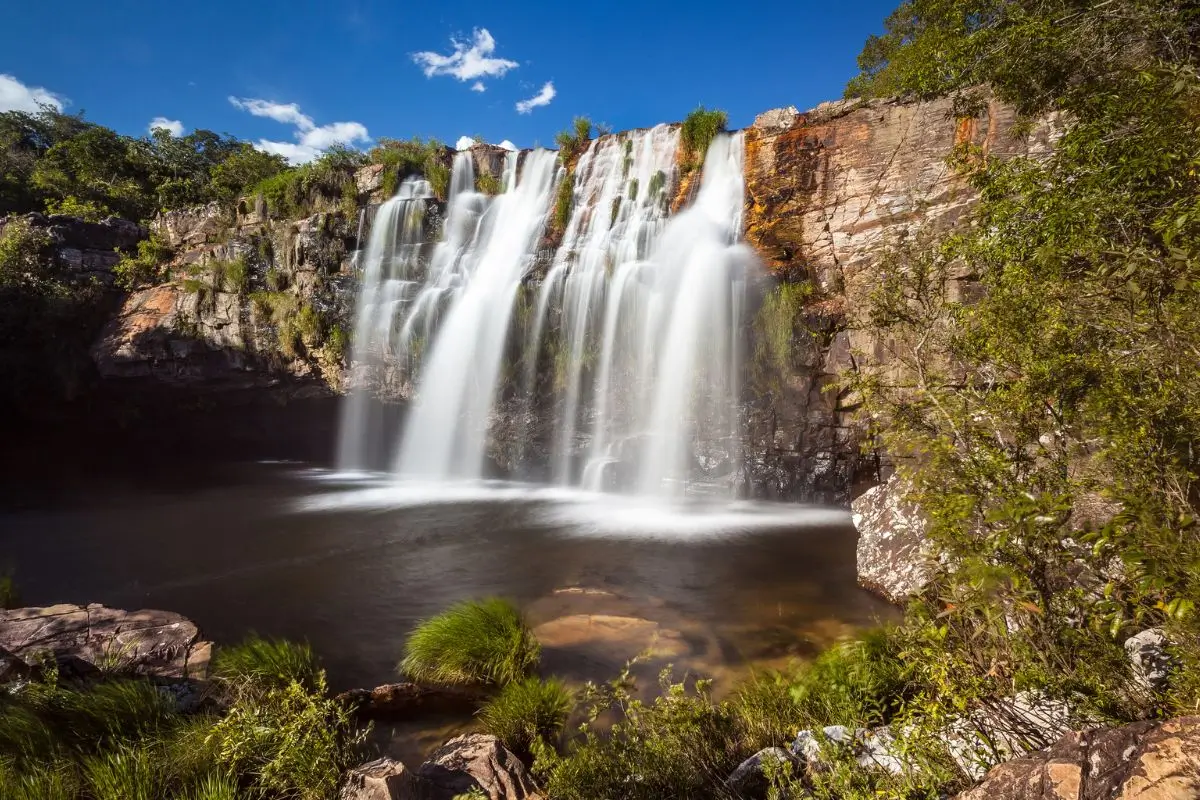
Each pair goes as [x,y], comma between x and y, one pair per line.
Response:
[410,699]
[157,644]
[1144,760]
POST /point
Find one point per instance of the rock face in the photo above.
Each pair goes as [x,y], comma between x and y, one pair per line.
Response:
[893,554]
[477,761]
[88,250]
[157,644]
[382,779]
[827,191]
[1149,659]
[1145,760]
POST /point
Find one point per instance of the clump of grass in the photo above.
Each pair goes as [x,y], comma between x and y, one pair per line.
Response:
[266,662]
[526,711]
[699,129]
[121,709]
[563,201]
[10,596]
[571,143]
[487,184]
[633,190]
[476,641]
[124,773]
[56,780]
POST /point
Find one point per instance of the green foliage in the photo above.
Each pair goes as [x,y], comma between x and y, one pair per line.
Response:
[10,595]
[403,159]
[658,182]
[699,129]
[243,169]
[295,192]
[146,268]
[475,641]
[299,326]
[572,143]
[526,711]
[293,741]
[266,662]
[337,343]
[681,745]
[488,184]
[123,773]
[228,275]
[774,332]
[88,210]
[563,201]
[633,190]
[23,255]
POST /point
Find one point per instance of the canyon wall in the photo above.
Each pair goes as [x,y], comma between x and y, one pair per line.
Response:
[827,191]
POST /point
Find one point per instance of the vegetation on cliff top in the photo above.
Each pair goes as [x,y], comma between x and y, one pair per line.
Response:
[699,129]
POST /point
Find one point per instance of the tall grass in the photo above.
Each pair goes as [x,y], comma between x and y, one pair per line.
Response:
[125,773]
[526,711]
[700,127]
[266,662]
[476,641]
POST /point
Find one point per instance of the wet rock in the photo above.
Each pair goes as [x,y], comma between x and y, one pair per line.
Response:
[411,699]
[477,761]
[1149,659]
[750,778]
[84,639]
[893,555]
[1144,760]
[382,779]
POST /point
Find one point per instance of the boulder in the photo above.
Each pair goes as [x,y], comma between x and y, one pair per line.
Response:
[894,557]
[1141,761]
[1009,728]
[1149,659]
[411,699]
[83,639]
[873,749]
[477,761]
[750,778]
[381,779]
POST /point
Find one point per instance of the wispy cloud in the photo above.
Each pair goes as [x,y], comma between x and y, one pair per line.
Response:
[174,126]
[468,61]
[16,96]
[542,98]
[311,138]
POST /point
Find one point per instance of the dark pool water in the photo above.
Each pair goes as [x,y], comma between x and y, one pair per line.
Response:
[350,564]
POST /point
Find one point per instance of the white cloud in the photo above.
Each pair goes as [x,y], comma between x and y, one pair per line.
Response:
[464,143]
[16,96]
[469,61]
[311,139]
[507,145]
[172,125]
[542,98]
[287,113]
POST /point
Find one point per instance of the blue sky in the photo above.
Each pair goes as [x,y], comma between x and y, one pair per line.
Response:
[302,73]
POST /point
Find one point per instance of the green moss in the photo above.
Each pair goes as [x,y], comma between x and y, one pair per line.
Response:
[563,202]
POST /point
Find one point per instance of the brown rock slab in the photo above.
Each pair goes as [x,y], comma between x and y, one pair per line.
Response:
[411,699]
[1140,761]
[382,779]
[158,644]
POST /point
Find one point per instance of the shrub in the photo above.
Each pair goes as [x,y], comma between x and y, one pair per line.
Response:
[294,742]
[563,201]
[146,268]
[229,276]
[438,175]
[681,745]
[572,143]
[87,210]
[10,596]
[267,663]
[527,710]
[699,129]
[476,641]
[23,251]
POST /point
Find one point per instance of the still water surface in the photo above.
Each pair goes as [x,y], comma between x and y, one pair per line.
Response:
[351,563]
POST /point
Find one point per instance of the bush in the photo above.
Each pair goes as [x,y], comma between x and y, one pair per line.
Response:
[267,663]
[572,143]
[87,210]
[488,184]
[294,742]
[699,129]
[526,711]
[476,641]
[564,201]
[10,596]
[23,255]
[146,268]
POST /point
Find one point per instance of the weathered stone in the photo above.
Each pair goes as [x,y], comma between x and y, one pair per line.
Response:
[873,749]
[477,761]
[192,227]
[1149,659]
[382,779]
[750,777]
[1144,760]
[1009,728]
[157,644]
[411,699]
[894,557]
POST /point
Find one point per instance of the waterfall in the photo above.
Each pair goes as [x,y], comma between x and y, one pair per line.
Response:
[616,360]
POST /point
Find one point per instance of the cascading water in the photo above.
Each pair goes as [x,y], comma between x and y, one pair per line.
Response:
[628,338]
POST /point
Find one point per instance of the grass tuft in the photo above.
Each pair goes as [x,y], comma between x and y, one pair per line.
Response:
[476,641]
[526,711]
[266,663]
